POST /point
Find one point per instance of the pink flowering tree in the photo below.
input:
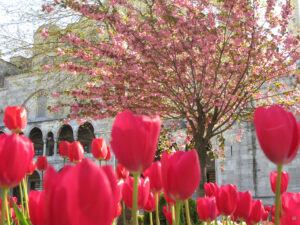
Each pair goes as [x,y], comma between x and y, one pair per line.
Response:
[202,61]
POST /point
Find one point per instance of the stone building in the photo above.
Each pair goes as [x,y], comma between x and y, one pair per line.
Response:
[46,130]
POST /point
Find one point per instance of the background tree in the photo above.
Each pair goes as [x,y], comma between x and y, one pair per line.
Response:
[202,61]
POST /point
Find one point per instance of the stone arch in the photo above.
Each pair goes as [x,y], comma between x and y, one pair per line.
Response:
[86,135]
[36,136]
[34,182]
[50,144]
[65,133]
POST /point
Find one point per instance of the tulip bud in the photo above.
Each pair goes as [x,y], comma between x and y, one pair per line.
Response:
[99,149]
[211,189]
[16,154]
[277,133]
[207,209]
[42,163]
[108,155]
[285,177]
[122,173]
[64,149]
[37,207]
[31,167]
[76,152]
[82,194]
[291,209]
[154,174]
[168,214]
[257,211]
[143,192]
[244,201]
[134,140]
[227,199]
[15,118]
[180,174]
[150,204]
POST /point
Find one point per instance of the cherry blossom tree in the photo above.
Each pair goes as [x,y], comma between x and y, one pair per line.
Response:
[206,62]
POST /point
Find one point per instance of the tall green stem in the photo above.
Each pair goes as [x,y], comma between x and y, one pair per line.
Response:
[187,211]
[156,208]
[173,213]
[277,201]
[4,209]
[26,197]
[64,161]
[134,219]
[216,221]
[150,216]
[124,212]
[177,219]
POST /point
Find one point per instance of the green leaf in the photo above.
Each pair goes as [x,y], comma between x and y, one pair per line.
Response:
[20,216]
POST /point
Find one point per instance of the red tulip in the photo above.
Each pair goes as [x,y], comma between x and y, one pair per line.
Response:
[291,209]
[150,204]
[210,189]
[119,210]
[180,174]
[207,209]
[76,152]
[122,173]
[143,192]
[277,133]
[268,208]
[16,154]
[37,207]
[134,140]
[80,195]
[108,156]
[265,215]
[99,149]
[15,118]
[285,177]
[243,208]
[42,163]
[168,214]
[31,167]
[256,213]
[169,200]
[154,174]
[64,149]
[227,199]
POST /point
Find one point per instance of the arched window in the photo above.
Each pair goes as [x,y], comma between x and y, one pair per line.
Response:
[65,134]
[34,182]
[36,137]
[86,135]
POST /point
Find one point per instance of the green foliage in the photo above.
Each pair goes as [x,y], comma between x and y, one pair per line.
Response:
[162,202]
[20,216]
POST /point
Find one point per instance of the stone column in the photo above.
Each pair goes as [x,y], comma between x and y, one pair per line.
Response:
[44,146]
[55,147]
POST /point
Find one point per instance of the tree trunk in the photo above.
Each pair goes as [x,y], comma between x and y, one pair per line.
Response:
[201,148]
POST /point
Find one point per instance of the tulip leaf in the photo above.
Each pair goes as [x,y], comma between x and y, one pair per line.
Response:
[20,216]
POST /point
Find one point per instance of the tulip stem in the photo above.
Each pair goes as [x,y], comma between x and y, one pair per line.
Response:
[187,212]
[123,213]
[156,208]
[177,219]
[21,196]
[150,216]
[241,221]
[26,197]
[4,208]
[64,161]
[173,214]
[134,219]
[277,202]
[216,221]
